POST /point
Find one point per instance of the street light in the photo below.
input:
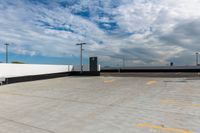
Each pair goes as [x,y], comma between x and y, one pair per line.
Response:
[124,61]
[197,58]
[81,55]
[6,52]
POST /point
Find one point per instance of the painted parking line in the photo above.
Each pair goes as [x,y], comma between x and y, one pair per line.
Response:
[109,81]
[162,128]
[196,105]
[151,82]
[176,103]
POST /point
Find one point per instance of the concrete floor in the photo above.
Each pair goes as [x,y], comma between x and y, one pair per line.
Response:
[101,105]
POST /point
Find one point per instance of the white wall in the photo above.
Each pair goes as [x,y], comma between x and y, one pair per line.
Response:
[17,70]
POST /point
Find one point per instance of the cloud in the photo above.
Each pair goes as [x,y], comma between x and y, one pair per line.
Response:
[47,32]
[150,32]
[184,35]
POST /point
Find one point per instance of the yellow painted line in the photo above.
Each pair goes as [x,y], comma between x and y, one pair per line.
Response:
[177,103]
[151,82]
[109,81]
[196,105]
[162,128]
[168,102]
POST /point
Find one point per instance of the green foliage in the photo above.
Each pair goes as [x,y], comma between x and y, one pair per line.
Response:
[17,62]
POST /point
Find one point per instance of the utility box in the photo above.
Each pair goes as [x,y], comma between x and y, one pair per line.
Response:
[93,64]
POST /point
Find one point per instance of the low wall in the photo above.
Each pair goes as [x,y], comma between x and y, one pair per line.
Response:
[21,70]
[85,68]
[153,69]
[13,73]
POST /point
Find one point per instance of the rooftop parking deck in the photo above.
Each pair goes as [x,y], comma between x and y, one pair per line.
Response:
[101,105]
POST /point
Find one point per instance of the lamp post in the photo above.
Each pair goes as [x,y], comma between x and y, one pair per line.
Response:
[123,61]
[6,52]
[81,55]
[197,58]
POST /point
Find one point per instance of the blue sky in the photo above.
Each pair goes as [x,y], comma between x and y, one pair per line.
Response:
[153,32]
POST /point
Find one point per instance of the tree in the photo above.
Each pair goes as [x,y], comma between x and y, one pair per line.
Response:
[17,62]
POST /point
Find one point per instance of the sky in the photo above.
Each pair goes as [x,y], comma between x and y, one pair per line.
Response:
[143,32]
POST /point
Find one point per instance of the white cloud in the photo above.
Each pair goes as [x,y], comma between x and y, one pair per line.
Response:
[144,34]
[23,29]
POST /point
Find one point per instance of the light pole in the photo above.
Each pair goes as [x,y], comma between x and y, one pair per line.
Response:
[6,52]
[81,55]
[197,58]
[123,61]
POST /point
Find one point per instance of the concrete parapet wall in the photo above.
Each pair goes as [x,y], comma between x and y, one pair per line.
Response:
[19,70]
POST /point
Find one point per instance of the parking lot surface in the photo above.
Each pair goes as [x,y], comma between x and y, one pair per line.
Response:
[101,105]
